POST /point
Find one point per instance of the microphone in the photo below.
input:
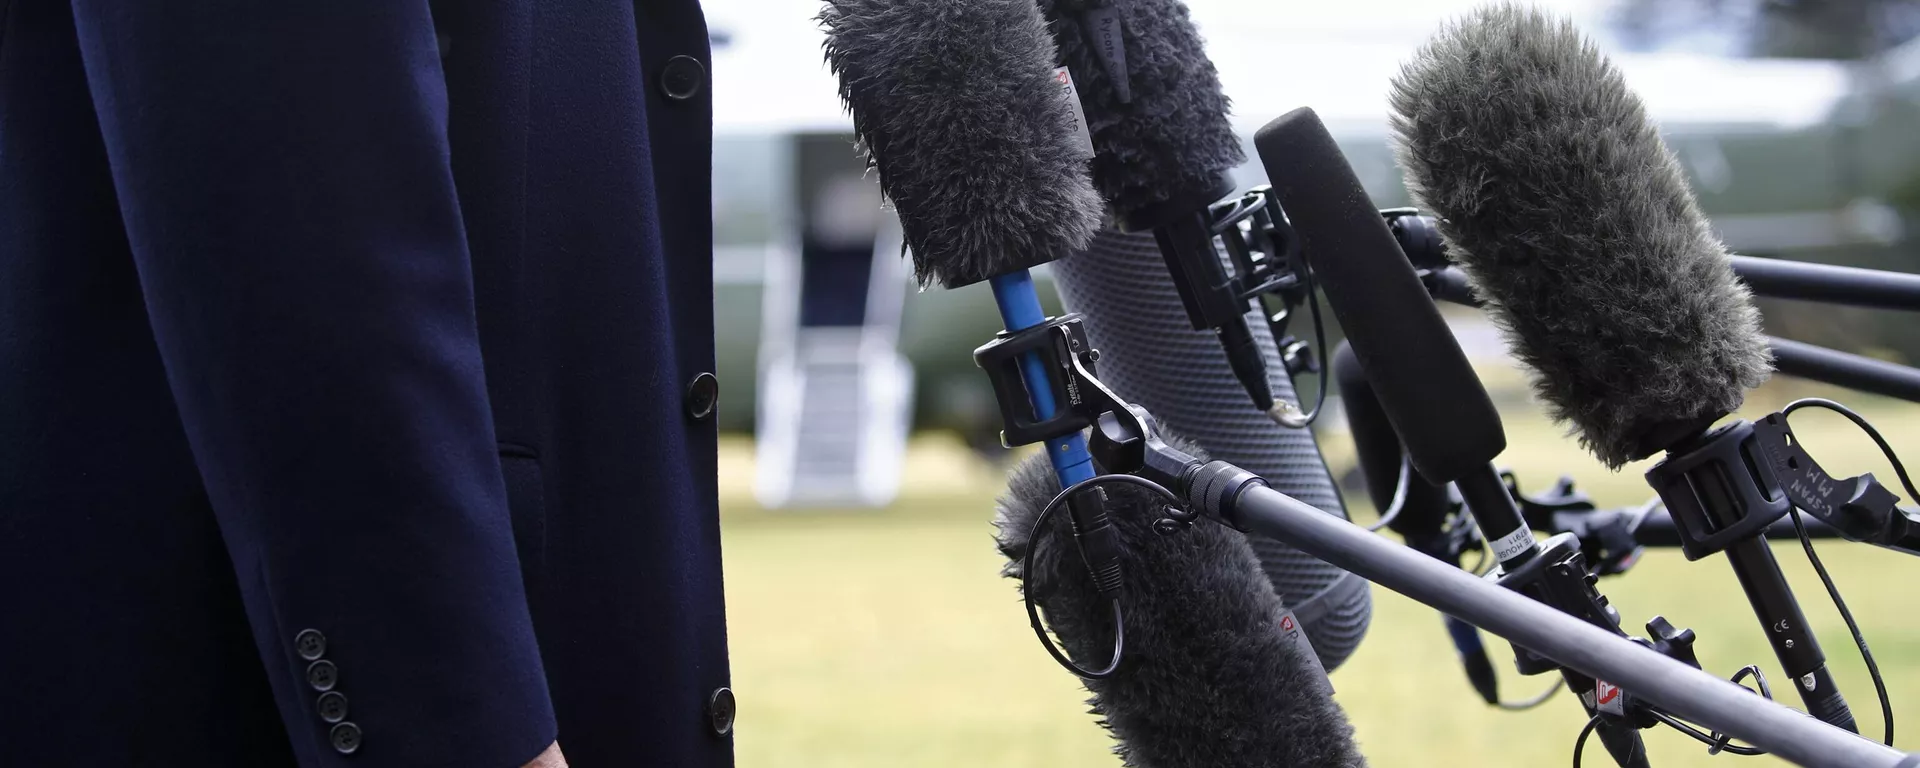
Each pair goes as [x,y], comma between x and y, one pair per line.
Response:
[976,144]
[1417,510]
[1428,391]
[1164,149]
[1572,218]
[1212,679]
[972,139]
[1164,152]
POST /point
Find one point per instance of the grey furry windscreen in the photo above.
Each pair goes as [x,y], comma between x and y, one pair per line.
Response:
[1174,138]
[1207,679]
[972,138]
[1577,226]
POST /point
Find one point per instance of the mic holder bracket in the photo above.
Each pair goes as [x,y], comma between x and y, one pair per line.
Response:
[1606,536]
[1418,236]
[1261,259]
[1559,577]
[1125,437]
[1859,508]
[1723,490]
[1720,490]
[1065,353]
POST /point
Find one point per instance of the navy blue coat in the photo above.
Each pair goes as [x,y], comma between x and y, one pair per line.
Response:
[347,363]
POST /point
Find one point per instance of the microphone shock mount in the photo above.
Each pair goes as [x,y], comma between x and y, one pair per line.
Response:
[1227,256]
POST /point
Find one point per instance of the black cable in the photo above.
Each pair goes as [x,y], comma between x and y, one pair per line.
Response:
[1320,347]
[1481,567]
[1581,742]
[1544,697]
[1320,341]
[1399,501]
[1715,744]
[1806,543]
[1027,573]
[1861,422]
[1718,742]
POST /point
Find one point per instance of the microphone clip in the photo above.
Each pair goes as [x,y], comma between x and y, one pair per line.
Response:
[1062,350]
[1859,508]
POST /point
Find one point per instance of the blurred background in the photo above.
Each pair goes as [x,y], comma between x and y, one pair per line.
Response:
[860,459]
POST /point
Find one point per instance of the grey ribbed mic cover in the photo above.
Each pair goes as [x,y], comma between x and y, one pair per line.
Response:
[1152,356]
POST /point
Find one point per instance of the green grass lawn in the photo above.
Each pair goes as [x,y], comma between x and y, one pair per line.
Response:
[887,638]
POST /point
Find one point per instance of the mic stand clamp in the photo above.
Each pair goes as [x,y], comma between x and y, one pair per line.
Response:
[1558,576]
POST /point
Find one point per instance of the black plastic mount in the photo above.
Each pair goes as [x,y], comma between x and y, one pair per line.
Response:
[1418,236]
[1558,576]
[1860,508]
[1724,490]
[1259,246]
[1059,343]
[1720,489]
[1606,536]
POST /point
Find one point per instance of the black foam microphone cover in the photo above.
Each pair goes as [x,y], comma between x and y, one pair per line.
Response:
[1209,678]
[1428,390]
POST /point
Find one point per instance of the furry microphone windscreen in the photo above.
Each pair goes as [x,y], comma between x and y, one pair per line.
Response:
[973,140]
[1172,137]
[1576,224]
[1207,679]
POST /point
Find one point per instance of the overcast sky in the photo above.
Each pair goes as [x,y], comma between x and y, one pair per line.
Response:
[1274,55]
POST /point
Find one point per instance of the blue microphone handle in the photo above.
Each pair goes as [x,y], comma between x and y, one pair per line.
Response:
[1020,309]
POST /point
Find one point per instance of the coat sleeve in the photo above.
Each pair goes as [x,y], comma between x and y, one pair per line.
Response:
[283,177]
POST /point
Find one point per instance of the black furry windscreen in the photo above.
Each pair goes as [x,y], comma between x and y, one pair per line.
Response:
[973,139]
[1207,678]
[1577,226]
[1173,136]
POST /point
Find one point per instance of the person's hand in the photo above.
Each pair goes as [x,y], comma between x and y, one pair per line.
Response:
[549,759]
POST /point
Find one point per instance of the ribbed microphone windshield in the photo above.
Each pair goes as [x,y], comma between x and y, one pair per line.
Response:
[1150,355]
[972,137]
[1576,225]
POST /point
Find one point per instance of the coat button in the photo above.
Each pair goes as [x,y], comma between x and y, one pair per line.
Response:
[345,738]
[720,711]
[310,644]
[683,78]
[322,675]
[332,706]
[702,396]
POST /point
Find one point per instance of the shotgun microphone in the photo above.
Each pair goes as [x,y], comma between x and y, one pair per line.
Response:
[1164,155]
[1573,219]
[1427,389]
[1419,511]
[977,146]
[1214,677]
[1184,349]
